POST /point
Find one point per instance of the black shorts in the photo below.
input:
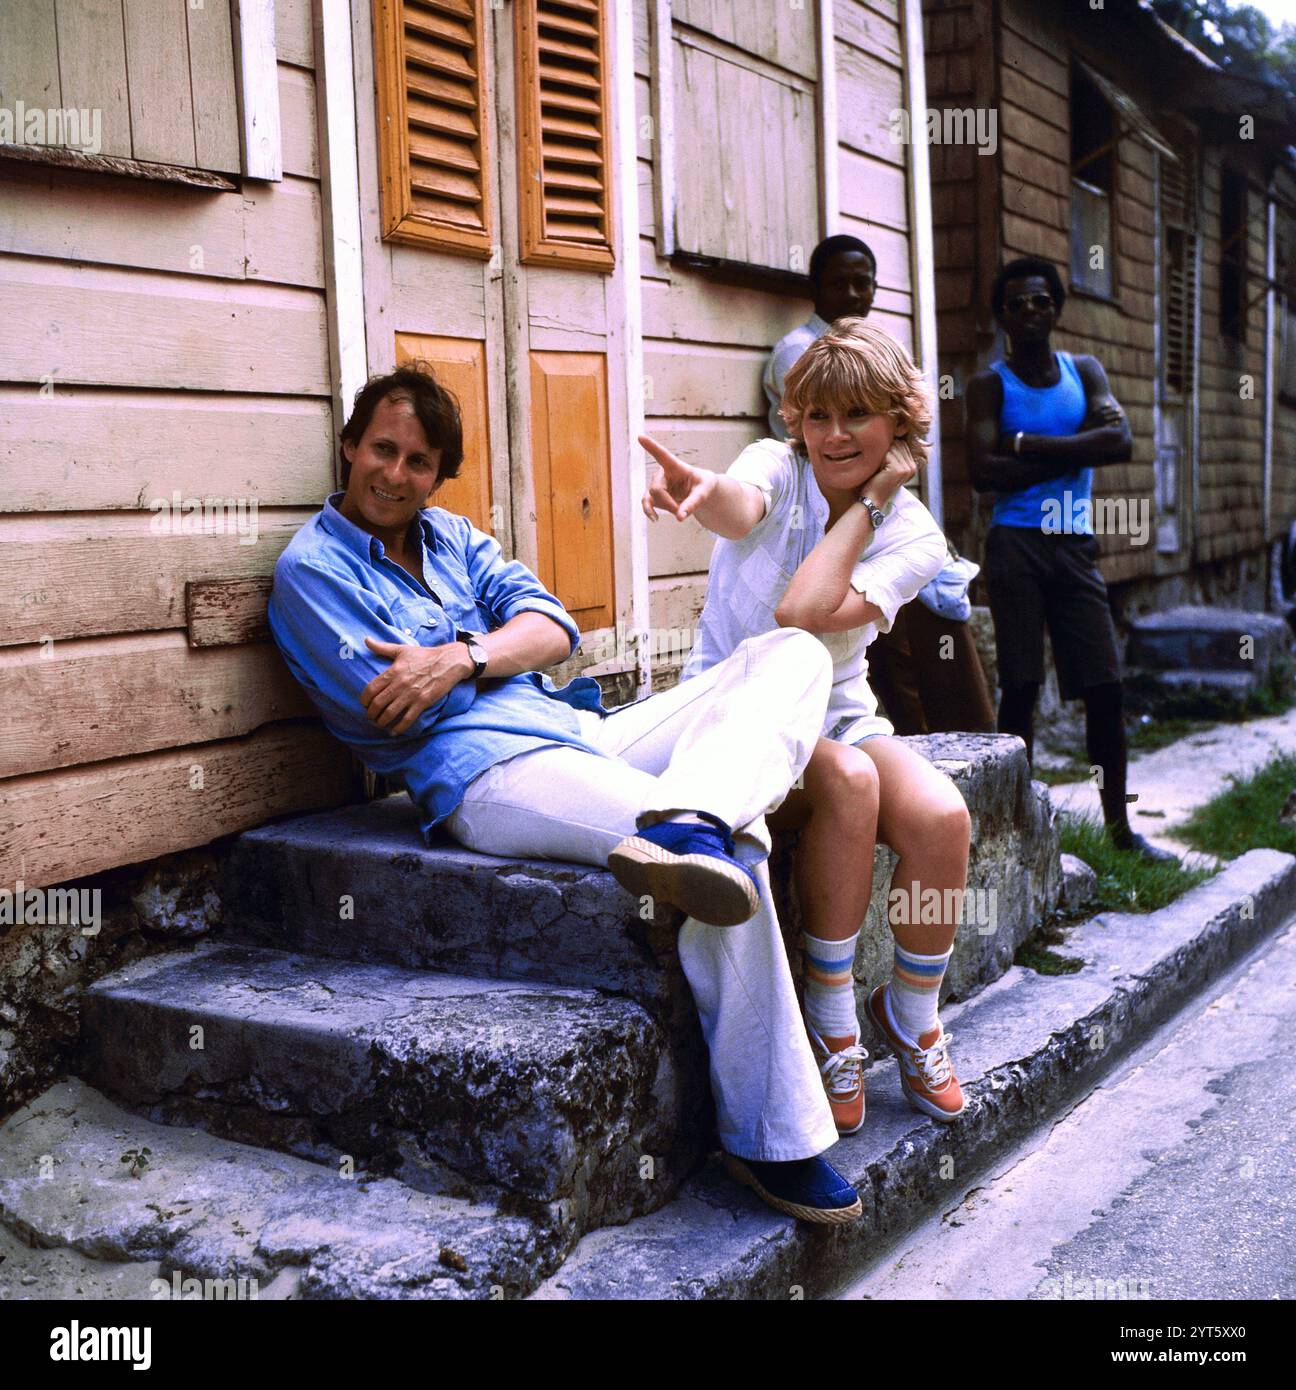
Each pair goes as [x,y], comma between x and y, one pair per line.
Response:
[1033,579]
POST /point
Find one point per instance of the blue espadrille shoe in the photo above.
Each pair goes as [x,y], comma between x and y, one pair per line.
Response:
[692,867]
[810,1189]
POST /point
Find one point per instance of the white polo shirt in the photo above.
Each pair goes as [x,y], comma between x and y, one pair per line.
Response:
[749,577]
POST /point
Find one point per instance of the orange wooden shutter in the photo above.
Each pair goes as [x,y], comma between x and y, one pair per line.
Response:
[569,444]
[564,159]
[460,365]
[432,123]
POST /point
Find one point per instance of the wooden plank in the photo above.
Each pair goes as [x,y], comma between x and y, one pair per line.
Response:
[872,190]
[225,612]
[1034,62]
[437,292]
[460,364]
[781,34]
[271,232]
[701,213]
[294,41]
[44,564]
[642,25]
[692,309]
[29,66]
[867,30]
[569,440]
[158,803]
[161,103]
[89,450]
[868,90]
[78,323]
[260,138]
[79,702]
[566,310]
[297,122]
[118,167]
[92,67]
[211,81]
[1023,91]
[700,380]
[1030,165]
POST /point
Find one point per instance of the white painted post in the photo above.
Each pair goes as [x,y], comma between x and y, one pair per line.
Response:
[625,318]
[340,202]
[922,261]
[826,109]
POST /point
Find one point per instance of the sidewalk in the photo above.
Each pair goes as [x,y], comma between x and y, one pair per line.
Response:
[1173,781]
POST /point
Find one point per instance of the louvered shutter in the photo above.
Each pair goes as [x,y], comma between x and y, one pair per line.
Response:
[1178,200]
[565,164]
[432,123]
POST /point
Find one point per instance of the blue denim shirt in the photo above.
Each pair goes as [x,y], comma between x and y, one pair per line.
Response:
[334,586]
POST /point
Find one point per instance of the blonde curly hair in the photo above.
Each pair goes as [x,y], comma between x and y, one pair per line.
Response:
[854,364]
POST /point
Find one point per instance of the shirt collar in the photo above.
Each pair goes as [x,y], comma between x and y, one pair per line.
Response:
[354,538]
[817,325]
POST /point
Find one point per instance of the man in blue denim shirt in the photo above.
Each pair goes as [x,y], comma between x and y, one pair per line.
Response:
[421,648]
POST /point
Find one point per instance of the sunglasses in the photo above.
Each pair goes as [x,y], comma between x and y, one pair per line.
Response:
[1035,301]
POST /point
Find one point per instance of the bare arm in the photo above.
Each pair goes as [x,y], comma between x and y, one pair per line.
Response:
[991,469]
[722,504]
[1104,435]
[820,597]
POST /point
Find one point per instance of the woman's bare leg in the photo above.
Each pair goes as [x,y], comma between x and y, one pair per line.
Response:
[837,814]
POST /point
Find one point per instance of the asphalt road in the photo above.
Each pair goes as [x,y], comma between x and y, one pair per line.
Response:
[1174,1179]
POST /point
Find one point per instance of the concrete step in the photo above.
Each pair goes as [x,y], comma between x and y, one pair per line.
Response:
[554,1096]
[1024,1049]
[249,1220]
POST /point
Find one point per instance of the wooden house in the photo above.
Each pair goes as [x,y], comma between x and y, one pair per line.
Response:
[218,218]
[1161,187]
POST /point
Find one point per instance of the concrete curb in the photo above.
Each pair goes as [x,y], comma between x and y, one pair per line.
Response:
[1026,1047]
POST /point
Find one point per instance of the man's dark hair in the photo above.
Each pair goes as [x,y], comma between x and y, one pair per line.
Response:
[434,404]
[835,246]
[1018,270]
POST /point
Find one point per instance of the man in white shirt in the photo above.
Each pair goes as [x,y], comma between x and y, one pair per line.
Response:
[843,275]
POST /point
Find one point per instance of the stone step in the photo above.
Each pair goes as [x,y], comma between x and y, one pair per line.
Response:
[246,1221]
[1193,638]
[558,1097]
[360,883]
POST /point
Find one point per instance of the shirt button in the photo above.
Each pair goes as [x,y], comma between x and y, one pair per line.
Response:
[409,632]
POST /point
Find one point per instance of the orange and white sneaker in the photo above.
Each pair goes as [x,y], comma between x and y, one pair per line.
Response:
[926,1074]
[841,1064]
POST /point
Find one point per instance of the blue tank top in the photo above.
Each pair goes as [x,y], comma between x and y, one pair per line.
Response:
[1061,505]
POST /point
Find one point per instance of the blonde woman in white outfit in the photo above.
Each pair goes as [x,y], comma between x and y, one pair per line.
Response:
[820,533]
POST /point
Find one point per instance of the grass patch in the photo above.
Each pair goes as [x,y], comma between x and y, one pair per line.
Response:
[1126,882]
[1036,952]
[1245,815]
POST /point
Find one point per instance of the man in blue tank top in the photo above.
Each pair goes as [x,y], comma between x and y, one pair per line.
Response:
[1039,423]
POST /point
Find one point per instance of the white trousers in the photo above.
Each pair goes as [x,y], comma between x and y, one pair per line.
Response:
[730,741]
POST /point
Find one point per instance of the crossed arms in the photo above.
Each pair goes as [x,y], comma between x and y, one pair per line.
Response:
[1104,436]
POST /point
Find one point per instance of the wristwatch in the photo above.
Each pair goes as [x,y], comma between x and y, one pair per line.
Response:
[475,650]
[876,515]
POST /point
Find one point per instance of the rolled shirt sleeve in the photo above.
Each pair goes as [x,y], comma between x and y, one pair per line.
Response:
[505,588]
[765,465]
[898,564]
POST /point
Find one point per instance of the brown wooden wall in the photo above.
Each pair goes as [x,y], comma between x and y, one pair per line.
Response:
[160,339]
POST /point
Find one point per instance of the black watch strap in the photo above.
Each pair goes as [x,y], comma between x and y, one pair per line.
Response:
[475,650]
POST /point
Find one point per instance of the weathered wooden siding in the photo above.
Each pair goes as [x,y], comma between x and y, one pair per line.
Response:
[706,343]
[161,340]
[1283,498]
[960,73]
[1232,387]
